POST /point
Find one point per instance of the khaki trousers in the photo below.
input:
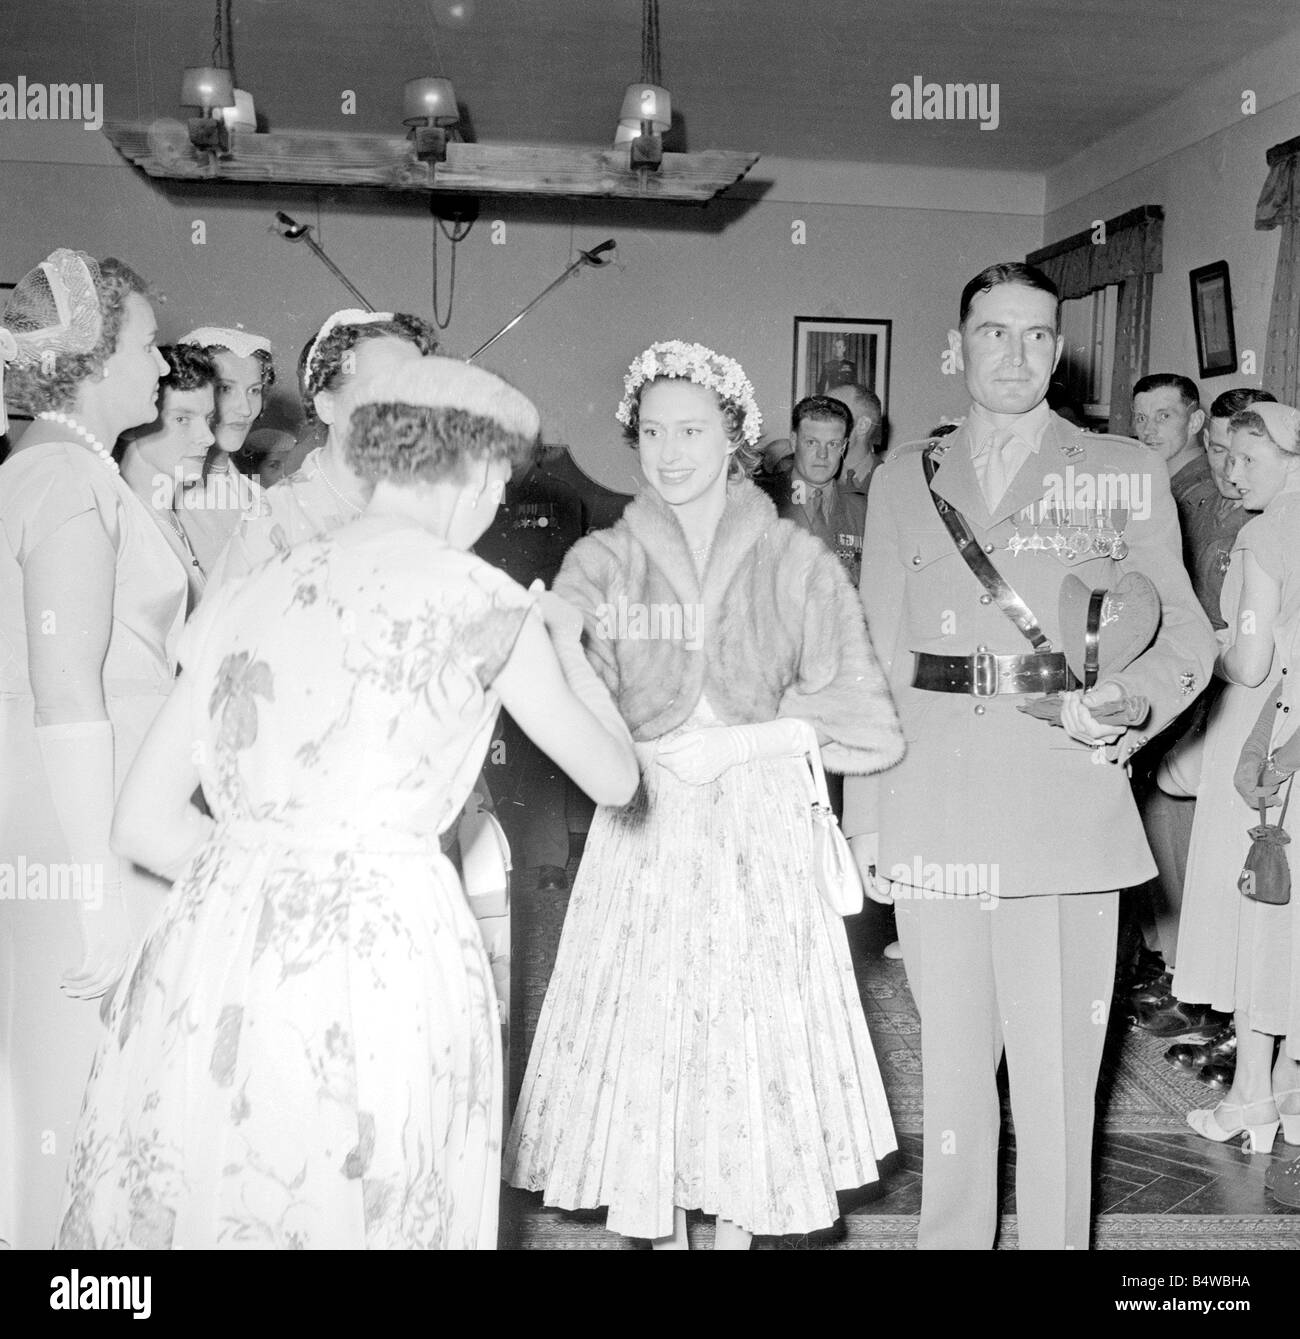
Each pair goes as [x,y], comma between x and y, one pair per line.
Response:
[1033,975]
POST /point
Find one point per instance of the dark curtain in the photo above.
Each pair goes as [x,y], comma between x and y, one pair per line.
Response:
[1129,256]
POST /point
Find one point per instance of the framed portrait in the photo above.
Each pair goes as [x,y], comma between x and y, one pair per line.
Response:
[840,352]
[1216,341]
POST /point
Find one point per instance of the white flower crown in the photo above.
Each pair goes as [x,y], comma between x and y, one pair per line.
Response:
[693,362]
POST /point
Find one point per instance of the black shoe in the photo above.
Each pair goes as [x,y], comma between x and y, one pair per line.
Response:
[1145,969]
[1176,1019]
[1282,1180]
[1221,1047]
[1156,991]
[552,879]
[1219,1073]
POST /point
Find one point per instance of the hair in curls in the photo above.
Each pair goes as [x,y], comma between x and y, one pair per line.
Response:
[327,372]
[407,444]
[30,389]
[1253,422]
[189,368]
[744,458]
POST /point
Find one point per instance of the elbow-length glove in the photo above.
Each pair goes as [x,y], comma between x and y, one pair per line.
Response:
[564,626]
[78,760]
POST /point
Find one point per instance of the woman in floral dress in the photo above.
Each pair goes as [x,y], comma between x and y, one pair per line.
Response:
[702,1044]
[306,1051]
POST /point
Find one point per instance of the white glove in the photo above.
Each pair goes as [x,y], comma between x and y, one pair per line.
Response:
[564,624]
[563,620]
[700,756]
[78,760]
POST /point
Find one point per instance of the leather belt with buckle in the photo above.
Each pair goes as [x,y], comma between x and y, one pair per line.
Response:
[987,675]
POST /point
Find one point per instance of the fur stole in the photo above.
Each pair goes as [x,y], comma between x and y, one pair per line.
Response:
[775,629]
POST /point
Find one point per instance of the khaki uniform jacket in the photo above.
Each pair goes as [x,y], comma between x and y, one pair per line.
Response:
[982,783]
[842,534]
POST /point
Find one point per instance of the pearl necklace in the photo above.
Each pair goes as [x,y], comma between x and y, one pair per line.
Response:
[346,501]
[67,421]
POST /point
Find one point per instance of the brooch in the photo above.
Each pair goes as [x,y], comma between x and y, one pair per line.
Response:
[1187,682]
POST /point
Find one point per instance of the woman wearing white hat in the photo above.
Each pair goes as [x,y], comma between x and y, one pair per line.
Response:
[324,493]
[92,601]
[307,1051]
[211,510]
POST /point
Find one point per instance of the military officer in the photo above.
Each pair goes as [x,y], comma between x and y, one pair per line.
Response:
[1004,838]
[810,494]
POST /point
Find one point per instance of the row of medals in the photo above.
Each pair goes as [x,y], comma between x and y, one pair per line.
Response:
[1096,536]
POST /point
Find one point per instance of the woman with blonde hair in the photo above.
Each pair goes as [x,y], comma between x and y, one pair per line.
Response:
[1234,952]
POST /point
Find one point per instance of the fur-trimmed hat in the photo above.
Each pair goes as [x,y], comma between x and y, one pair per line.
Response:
[434,382]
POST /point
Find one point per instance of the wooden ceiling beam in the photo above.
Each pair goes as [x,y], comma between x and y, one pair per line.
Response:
[305,158]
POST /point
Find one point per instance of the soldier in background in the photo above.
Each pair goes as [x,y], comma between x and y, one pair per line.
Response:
[809,492]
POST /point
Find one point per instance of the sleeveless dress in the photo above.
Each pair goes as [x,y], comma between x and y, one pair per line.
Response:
[47,1041]
[1235,953]
[307,1051]
[702,1042]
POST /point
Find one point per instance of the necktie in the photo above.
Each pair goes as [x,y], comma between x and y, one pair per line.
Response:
[995,467]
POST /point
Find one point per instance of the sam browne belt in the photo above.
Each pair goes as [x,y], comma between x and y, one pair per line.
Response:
[987,675]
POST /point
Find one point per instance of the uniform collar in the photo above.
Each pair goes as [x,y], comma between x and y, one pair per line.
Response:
[956,482]
[1029,428]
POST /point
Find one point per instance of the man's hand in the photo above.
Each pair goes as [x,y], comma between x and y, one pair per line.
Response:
[1078,722]
[866,853]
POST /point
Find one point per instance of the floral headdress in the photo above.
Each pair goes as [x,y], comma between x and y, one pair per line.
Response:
[676,359]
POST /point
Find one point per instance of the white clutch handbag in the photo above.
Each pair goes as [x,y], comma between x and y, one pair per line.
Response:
[834,869]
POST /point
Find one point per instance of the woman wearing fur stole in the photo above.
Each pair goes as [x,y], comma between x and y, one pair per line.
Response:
[702,1044]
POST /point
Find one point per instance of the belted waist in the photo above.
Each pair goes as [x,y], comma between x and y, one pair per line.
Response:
[260,834]
[987,675]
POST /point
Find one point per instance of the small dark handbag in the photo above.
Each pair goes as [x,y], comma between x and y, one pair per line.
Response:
[1266,876]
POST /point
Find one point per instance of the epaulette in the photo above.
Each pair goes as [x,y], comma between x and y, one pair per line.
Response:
[938,447]
[1118,438]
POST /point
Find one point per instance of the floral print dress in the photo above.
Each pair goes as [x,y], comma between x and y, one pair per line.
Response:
[306,1051]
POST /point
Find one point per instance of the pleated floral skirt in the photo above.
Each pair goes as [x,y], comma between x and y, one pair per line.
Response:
[702,1043]
[305,1054]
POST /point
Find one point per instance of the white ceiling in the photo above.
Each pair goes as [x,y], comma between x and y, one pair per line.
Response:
[808,79]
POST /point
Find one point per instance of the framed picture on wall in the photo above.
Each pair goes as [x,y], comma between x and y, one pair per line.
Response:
[840,352]
[1216,341]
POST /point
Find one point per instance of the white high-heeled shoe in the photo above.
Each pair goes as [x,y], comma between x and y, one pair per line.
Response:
[1288,1109]
[1228,1120]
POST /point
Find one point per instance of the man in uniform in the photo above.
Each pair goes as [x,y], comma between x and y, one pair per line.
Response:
[1003,837]
[861,457]
[809,493]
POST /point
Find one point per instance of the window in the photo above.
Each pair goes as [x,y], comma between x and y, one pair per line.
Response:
[1082,381]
